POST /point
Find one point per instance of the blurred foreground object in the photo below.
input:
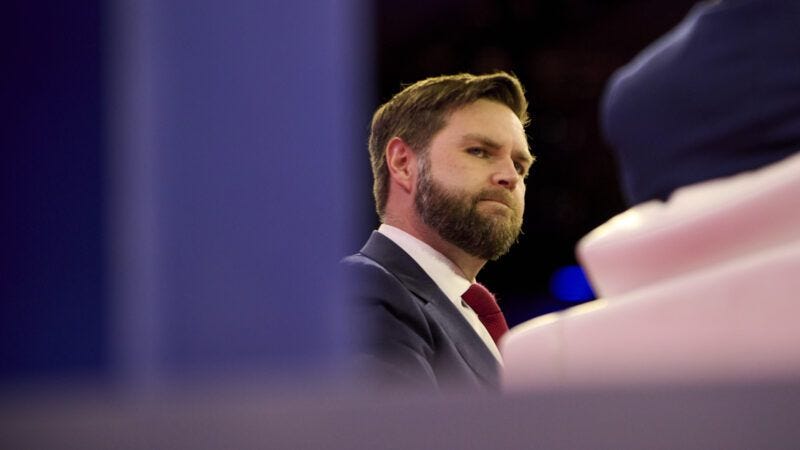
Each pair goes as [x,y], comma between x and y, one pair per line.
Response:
[724,417]
[717,95]
[700,288]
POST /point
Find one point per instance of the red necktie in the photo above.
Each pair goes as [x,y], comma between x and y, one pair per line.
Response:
[483,303]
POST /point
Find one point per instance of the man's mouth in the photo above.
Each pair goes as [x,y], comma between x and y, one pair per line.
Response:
[499,202]
[497,197]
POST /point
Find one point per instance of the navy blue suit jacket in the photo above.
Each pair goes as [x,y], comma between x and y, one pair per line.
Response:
[414,335]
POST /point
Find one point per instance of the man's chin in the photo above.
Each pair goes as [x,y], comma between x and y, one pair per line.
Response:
[499,232]
[490,239]
[497,217]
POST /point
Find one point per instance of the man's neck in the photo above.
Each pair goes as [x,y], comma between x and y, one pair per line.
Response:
[468,264]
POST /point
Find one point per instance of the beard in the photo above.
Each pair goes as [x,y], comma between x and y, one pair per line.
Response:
[455,216]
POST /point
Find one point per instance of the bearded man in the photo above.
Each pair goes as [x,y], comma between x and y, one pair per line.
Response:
[449,159]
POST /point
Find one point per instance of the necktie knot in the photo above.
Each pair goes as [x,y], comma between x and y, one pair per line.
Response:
[485,306]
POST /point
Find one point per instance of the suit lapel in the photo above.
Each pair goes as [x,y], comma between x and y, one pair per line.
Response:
[469,344]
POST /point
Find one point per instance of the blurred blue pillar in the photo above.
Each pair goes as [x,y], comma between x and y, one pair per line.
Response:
[234,129]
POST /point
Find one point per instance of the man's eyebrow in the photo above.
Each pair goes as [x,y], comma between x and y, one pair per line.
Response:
[485,140]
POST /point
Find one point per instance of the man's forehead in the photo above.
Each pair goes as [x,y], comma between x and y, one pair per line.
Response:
[482,130]
[485,104]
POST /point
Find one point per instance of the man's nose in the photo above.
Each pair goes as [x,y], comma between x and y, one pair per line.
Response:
[506,175]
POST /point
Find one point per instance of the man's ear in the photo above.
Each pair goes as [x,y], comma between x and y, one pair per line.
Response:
[402,163]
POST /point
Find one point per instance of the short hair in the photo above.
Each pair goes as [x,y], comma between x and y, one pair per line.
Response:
[420,110]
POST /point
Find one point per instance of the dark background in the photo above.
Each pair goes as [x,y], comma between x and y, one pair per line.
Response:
[54,267]
[563,51]
[53,315]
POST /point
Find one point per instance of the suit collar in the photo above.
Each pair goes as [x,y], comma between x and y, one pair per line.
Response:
[445,273]
[388,254]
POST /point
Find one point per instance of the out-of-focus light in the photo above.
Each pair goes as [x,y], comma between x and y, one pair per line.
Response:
[569,284]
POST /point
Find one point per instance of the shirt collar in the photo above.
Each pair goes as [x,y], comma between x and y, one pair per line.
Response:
[442,271]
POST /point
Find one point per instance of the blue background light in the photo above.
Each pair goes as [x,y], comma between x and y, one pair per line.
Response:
[570,284]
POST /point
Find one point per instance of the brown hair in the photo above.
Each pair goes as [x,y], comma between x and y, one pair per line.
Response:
[420,110]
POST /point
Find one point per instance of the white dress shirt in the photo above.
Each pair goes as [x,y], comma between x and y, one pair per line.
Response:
[445,274]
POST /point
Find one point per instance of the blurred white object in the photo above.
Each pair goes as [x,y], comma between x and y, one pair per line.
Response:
[704,287]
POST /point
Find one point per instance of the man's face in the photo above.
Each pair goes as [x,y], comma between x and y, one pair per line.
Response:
[471,187]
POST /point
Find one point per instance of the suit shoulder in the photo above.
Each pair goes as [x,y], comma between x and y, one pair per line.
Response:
[375,287]
[363,267]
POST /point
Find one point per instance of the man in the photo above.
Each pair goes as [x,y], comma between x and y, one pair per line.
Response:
[449,157]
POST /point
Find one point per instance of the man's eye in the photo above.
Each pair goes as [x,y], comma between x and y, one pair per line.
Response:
[521,170]
[476,151]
